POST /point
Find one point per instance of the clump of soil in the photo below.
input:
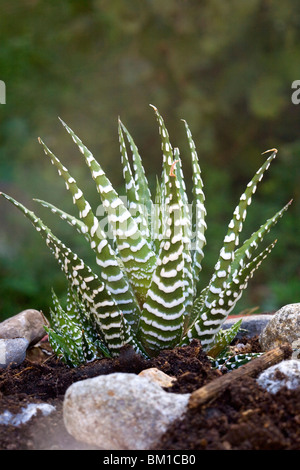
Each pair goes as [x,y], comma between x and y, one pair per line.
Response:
[244,417]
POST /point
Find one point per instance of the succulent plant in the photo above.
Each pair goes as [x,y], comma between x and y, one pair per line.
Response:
[146,291]
[73,336]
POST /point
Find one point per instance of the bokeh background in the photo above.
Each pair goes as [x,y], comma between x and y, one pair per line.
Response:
[225,67]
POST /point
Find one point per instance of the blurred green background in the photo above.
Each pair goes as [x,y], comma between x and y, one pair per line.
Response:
[225,67]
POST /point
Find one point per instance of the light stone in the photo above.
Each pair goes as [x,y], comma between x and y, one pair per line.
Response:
[284,374]
[12,351]
[27,324]
[120,411]
[284,327]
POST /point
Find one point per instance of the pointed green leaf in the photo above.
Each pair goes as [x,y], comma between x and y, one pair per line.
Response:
[211,311]
[135,204]
[164,309]
[245,252]
[231,240]
[208,322]
[89,287]
[189,273]
[223,339]
[157,218]
[165,306]
[110,270]
[64,347]
[198,207]
[138,258]
[73,221]
[141,182]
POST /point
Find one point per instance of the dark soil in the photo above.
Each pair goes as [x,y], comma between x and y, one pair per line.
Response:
[245,417]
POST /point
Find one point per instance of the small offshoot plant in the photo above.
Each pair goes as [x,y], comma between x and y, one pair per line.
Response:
[147,291]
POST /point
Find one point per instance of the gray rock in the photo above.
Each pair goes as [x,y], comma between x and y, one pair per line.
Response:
[252,325]
[120,411]
[12,351]
[28,324]
[284,327]
[284,374]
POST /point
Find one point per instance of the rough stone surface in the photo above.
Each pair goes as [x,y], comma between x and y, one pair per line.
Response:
[252,325]
[296,349]
[28,324]
[284,374]
[12,351]
[284,327]
[120,411]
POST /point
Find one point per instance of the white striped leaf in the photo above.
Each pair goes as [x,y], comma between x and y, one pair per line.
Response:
[98,301]
[245,252]
[140,179]
[223,339]
[208,324]
[211,312]
[135,200]
[198,208]
[109,267]
[135,252]
[163,314]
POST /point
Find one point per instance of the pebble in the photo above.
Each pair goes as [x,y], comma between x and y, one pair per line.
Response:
[18,333]
[12,351]
[284,374]
[252,325]
[157,376]
[28,324]
[120,411]
[284,327]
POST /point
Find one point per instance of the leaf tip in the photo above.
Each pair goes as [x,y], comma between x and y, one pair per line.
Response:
[63,122]
[274,150]
[152,106]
